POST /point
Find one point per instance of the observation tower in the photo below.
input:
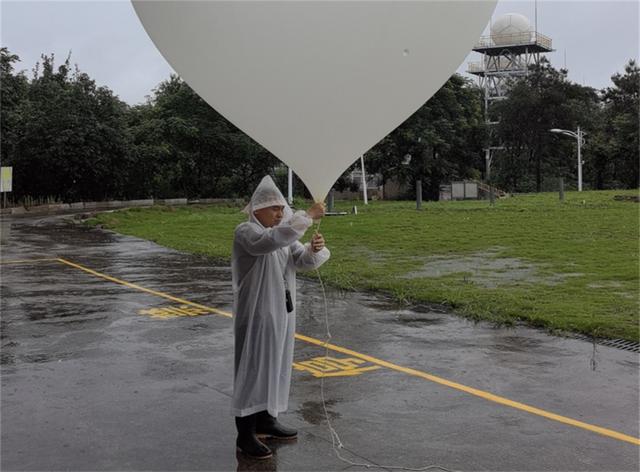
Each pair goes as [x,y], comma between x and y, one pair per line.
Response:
[507,53]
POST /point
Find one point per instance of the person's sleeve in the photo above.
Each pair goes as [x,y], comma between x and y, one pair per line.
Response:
[305,259]
[258,241]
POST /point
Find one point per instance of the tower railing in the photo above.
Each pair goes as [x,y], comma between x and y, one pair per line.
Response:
[515,39]
[479,67]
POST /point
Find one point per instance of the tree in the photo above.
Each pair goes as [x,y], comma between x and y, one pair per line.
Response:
[542,100]
[440,141]
[622,125]
[69,137]
[13,91]
[198,152]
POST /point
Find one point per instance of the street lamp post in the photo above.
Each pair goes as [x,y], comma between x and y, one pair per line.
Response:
[579,135]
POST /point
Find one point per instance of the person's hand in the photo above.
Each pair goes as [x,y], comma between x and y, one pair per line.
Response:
[317,242]
[316,211]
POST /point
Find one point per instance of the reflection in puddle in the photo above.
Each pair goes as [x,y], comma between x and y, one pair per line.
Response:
[248,464]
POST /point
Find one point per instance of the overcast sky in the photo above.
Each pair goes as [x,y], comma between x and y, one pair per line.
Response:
[108,42]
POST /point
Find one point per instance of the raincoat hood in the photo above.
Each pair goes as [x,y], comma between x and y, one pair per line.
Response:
[266,195]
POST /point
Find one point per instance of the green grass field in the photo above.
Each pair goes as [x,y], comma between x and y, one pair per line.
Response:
[569,266]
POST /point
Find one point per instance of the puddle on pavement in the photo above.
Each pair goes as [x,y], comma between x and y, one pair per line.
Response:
[37,358]
[515,344]
[5,231]
[77,320]
[197,327]
[313,412]
[414,321]
[59,230]
[7,359]
[62,313]
[390,305]
[164,368]
[246,464]
[3,329]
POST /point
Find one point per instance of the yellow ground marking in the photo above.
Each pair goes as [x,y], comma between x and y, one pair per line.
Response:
[144,289]
[389,365]
[174,311]
[476,392]
[332,367]
[27,261]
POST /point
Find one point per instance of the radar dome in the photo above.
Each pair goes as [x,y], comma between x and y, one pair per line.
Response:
[510,28]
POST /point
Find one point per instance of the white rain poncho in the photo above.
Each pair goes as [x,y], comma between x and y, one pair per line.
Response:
[264,332]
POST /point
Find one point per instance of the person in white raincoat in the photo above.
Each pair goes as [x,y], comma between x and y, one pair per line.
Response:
[266,255]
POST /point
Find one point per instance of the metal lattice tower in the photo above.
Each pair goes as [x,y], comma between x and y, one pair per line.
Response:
[506,53]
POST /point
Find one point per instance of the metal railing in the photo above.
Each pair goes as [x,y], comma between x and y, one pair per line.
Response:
[478,67]
[515,39]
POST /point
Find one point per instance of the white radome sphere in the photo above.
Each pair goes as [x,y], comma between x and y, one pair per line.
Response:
[510,28]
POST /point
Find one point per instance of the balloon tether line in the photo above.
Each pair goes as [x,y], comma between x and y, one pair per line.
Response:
[336,443]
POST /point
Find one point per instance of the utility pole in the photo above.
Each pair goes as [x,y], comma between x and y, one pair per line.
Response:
[364,181]
[580,139]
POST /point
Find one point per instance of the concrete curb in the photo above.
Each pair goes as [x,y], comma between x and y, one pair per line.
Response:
[55,208]
[172,201]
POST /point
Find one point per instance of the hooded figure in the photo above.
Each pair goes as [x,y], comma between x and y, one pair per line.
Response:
[266,255]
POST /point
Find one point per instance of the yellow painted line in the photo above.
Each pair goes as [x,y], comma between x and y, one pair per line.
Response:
[475,391]
[27,261]
[389,365]
[143,289]
[349,372]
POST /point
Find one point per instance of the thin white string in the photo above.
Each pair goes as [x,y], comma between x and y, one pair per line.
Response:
[336,443]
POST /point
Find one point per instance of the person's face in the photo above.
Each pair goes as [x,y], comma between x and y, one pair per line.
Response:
[270,216]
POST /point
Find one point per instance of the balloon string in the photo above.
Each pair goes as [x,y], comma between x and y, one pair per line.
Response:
[336,443]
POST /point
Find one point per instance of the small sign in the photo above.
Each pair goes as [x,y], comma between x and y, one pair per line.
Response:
[6,179]
[332,367]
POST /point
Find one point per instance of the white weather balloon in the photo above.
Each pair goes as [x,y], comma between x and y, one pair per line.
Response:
[317,83]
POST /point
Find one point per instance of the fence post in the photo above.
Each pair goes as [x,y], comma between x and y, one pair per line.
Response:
[330,203]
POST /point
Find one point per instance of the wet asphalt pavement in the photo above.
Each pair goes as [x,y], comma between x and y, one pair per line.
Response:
[97,375]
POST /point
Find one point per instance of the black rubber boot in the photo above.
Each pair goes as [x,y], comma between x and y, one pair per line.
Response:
[268,427]
[247,442]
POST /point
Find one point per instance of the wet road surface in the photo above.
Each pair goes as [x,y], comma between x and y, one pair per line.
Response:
[117,354]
